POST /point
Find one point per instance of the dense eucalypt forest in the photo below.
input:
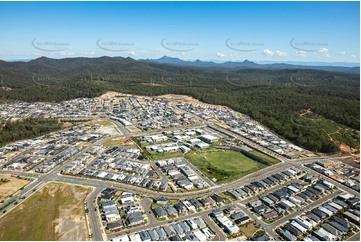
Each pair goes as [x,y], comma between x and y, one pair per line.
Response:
[26,129]
[318,110]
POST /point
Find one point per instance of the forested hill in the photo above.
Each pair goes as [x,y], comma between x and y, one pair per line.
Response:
[312,108]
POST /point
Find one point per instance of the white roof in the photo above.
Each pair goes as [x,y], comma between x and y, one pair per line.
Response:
[209,137]
[121,238]
[298,226]
[325,210]
[135,237]
[200,235]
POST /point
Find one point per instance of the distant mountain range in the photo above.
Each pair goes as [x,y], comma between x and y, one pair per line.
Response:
[249,64]
[346,67]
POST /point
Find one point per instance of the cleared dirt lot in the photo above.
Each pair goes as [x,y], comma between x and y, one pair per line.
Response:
[10,187]
[55,212]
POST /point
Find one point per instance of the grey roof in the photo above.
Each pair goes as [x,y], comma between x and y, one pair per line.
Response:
[237,215]
[204,201]
[341,221]
[134,218]
[287,235]
[319,213]
[272,197]
[331,229]
[313,217]
[144,235]
[293,229]
[115,225]
[320,236]
[329,207]
[341,203]
[195,203]
[153,234]
[162,234]
[161,199]
[178,228]
[185,226]
[180,207]
[268,181]
[246,190]
[273,179]
[303,195]
[160,211]
[200,222]
[169,231]
[338,226]
[263,237]
[171,210]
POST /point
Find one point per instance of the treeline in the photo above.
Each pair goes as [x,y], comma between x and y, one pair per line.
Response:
[26,129]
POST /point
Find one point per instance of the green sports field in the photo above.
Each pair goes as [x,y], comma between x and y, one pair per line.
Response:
[225,166]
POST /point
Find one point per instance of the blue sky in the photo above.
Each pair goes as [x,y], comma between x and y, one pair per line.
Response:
[219,31]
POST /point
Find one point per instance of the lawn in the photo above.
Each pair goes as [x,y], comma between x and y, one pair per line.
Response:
[265,157]
[55,212]
[160,156]
[225,166]
[248,230]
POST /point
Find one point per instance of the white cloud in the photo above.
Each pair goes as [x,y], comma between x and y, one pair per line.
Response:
[131,52]
[88,53]
[221,55]
[281,53]
[342,52]
[66,53]
[301,53]
[353,56]
[323,51]
[234,55]
[267,52]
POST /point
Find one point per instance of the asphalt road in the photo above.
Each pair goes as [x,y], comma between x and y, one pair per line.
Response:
[213,226]
[146,206]
[93,216]
[355,237]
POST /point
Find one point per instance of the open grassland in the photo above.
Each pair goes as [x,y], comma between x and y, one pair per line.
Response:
[159,156]
[55,212]
[118,142]
[10,185]
[264,157]
[225,166]
[102,122]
